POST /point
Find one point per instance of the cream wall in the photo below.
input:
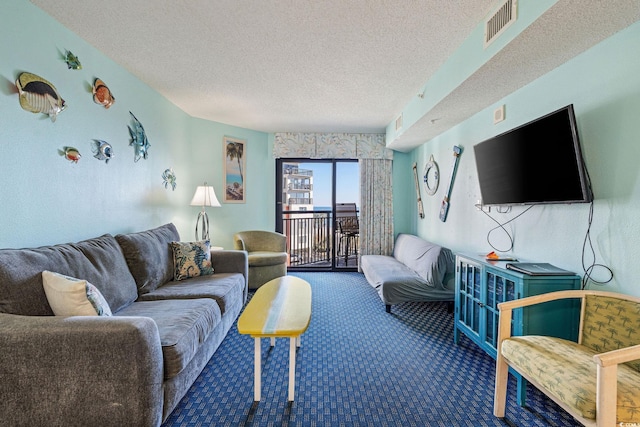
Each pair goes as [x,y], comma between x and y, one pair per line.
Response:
[604,87]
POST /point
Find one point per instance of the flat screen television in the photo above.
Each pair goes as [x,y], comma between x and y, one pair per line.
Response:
[538,162]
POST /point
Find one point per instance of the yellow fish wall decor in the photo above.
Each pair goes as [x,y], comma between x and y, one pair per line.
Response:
[39,96]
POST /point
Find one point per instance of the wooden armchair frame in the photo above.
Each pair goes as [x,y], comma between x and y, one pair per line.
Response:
[606,363]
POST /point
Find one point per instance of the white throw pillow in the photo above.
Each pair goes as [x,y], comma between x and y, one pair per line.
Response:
[68,296]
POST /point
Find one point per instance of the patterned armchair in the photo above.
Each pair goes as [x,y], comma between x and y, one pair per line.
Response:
[267,254]
[597,379]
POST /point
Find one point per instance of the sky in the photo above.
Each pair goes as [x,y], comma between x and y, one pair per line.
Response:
[347,182]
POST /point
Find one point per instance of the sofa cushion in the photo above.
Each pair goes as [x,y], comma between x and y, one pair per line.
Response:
[149,256]
[383,269]
[98,260]
[69,296]
[191,259]
[263,258]
[567,371]
[429,260]
[225,288]
[183,324]
[397,283]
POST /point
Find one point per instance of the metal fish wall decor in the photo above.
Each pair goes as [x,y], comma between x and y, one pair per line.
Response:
[169,178]
[39,96]
[138,139]
[73,63]
[102,95]
[102,150]
[70,153]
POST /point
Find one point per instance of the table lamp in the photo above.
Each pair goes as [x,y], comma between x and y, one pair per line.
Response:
[204,196]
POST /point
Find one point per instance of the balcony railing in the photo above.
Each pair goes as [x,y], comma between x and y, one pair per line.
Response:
[311,238]
[299,201]
[292,170]
[299,186]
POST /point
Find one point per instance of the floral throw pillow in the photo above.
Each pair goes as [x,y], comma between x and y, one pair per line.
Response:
[69,296]
[191,259]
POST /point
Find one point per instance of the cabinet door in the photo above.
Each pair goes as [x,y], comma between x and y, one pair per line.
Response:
[500,288]
[470,295]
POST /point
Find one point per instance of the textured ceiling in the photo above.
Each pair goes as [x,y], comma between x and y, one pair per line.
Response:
[565,30]
[278,65]
[329,65]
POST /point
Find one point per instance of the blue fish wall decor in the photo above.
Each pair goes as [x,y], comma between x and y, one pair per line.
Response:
[102,150]
[138,139]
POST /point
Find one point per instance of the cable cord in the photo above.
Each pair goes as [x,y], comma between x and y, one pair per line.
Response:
[588,270]
[587,240]
[501,226]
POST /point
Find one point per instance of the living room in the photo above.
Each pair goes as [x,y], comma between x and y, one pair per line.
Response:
[48,199]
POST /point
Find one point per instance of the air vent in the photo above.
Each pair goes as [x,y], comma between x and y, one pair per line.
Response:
[499,21]
[399,122]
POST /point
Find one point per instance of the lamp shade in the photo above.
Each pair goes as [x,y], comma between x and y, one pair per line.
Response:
[205,196]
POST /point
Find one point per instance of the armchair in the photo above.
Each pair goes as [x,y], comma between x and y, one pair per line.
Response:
[267,255]
[596,379]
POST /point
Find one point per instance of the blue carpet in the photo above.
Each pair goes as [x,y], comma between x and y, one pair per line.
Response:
[360,366]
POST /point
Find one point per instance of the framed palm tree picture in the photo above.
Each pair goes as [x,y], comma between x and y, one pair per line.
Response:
[234,170]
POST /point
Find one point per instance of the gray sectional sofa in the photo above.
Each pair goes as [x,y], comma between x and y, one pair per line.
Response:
[417,271]
[129,369]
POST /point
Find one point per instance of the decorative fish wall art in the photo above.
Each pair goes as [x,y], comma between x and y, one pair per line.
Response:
[138,139]
[102,95]
[39,96]
[70,153]
[73,63]
[102,150]
[169,179]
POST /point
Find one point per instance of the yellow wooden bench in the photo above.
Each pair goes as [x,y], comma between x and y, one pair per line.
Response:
[281,308]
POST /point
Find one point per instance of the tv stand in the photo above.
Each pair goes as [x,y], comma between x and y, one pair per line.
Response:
[481,285]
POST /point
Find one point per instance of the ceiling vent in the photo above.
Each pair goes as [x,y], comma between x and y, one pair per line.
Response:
[499,21]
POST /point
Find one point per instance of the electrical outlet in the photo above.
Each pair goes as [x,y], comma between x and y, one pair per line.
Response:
[498,114]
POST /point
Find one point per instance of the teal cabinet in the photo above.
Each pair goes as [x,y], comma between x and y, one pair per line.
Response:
[481,285]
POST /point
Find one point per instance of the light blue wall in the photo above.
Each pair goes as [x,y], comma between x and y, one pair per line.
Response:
[467,59]
[45,199]
[604,87]
[258,213]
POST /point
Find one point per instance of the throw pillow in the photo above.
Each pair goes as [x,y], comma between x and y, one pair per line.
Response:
[191,259]
[68,296]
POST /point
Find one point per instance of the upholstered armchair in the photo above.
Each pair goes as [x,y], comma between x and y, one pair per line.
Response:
[267,252]
[594,379]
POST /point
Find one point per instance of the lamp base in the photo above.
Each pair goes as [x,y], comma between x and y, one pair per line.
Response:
[204,218]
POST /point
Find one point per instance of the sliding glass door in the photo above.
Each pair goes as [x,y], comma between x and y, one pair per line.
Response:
[317,206]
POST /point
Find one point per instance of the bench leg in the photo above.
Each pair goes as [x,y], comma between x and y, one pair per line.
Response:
[299,341]
[257,362]
[273,341]
[292,366]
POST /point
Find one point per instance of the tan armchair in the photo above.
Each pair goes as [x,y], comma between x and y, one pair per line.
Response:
[267,252]
[595,379]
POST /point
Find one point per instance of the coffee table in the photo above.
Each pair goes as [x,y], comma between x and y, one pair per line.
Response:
[281,308]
